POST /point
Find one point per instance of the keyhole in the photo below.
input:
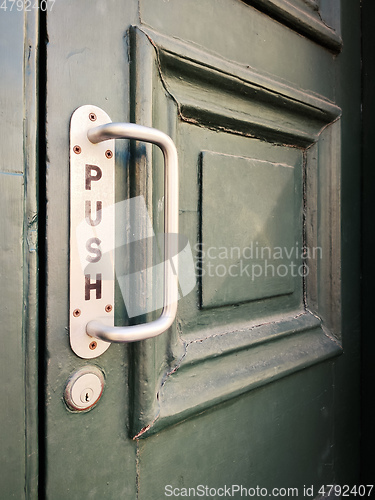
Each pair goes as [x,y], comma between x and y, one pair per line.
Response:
[87,395]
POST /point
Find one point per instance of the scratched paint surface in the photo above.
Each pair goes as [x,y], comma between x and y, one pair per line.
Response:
[12,424]
[289,430]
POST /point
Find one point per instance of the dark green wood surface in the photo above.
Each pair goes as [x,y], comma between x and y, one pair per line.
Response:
[252,386]
[87,455]
[258,90]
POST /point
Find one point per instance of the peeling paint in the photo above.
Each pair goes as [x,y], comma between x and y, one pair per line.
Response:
[32,233]
[145,429]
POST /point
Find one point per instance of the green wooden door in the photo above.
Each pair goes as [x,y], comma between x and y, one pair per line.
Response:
[250,387]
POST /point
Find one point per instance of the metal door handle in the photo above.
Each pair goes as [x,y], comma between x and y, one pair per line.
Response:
[92,185]
[165,143]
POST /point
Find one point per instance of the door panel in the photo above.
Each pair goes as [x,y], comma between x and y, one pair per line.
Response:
[241,390]
[264,192]
[261,126]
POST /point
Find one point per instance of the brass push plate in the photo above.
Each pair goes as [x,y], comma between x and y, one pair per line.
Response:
[92,231]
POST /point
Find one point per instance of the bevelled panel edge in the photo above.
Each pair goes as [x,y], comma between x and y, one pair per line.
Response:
[187,393]
[256,102]
[214,341]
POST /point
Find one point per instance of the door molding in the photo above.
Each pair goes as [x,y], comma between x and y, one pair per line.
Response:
[169,375]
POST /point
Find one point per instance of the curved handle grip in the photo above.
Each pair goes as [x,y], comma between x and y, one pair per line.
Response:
[165,143]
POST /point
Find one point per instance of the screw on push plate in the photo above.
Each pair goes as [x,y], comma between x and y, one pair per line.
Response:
[108,308]
[109,153]
[93,345]
[77,150]
[76,313]
[92,117]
